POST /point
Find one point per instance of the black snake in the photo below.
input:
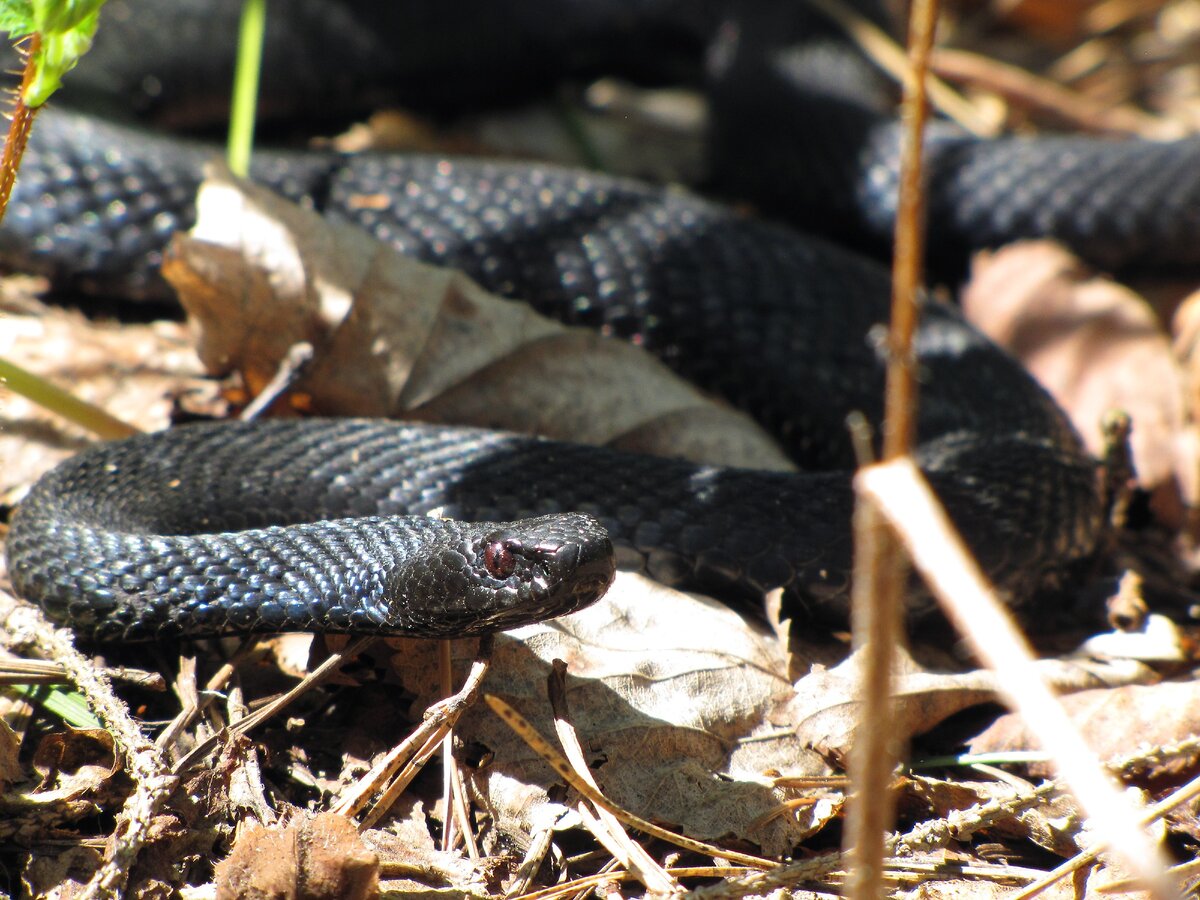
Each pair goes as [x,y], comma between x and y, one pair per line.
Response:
[778,322]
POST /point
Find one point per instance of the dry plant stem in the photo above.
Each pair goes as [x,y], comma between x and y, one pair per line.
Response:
[19,125]
[414,761]
[246,783]
[418,746]
[256,718]
[890,57]
[455,792]
[217,682]
[153,781]
[879,573]
[877,599]
[1032,91]
[588,883]
[971,604]
[535,855]
[449,801]
[760,883]
[1144,759]
[462,806]
[935,834]
[70,407]
[603,824]
[37,671]
[541,746]
[902,873]
[291,367]
[1159,809]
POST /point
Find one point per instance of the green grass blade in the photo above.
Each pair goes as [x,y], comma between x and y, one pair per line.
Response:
[245,85]
[59,401]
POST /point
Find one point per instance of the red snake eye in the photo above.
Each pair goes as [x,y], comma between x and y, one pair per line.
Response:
[498,559]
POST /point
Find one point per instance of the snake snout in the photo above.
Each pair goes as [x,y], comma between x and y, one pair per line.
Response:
[586,565]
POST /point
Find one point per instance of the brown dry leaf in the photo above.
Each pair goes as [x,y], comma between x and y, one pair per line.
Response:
[56,872]
[410,861]
[10,764]
[1114,721]
[1054,824]
[826,704]
[1094,344]
[978,889]
[396,337]
[132,371]
[75,762]
[315,857]
[671,695]
[1185,326]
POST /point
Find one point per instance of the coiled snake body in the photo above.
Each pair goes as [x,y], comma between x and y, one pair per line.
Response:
[778,322]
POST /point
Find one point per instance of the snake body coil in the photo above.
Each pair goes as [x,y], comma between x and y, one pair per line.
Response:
[780,323]
[183,535]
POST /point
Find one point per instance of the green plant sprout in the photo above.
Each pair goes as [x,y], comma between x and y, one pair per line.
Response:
[61,32]
[56,33]
[244,105]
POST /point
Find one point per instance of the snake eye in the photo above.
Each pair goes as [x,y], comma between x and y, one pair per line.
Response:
[498,559]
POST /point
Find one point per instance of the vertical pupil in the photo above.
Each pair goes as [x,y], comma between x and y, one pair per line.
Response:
[499,560]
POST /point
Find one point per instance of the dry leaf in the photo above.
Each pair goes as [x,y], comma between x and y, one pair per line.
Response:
[73,763]
[1094,344]
[10,764]
[1054,824]
[825,708]
[315,857]
[1158,640]
[397,337]
[60,872]
[410,861]
[131,371]
[670,694]
[1114,721]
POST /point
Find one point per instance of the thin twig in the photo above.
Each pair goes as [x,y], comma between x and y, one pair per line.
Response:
[542,747]
[1075,109]
[971,604]
[879,47]
[879,572]
[19,125]
[289,371]
[1177,798]
[407,758]
[256,718]
[187,715]
[601,823]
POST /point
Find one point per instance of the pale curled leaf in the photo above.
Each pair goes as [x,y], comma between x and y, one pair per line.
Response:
[1116,721]
[826,705]
[1093,343]
[671,694]
[134,372]
[396,337]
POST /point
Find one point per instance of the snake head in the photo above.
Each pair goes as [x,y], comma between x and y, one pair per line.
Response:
[506,575]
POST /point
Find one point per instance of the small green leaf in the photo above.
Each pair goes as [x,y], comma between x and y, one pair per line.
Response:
[54,16]
[16,17]
[70,706]
[66,29]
